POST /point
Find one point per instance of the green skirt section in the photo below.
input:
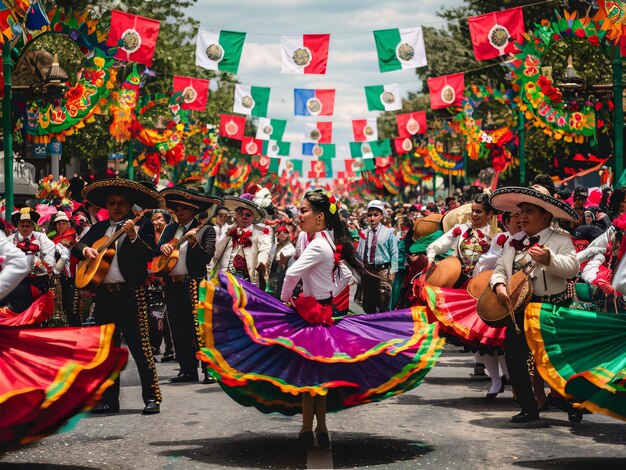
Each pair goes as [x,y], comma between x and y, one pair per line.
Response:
[581,354]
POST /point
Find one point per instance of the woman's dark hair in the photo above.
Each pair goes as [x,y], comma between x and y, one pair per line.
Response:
[616,198]
[483,200]
[321,204]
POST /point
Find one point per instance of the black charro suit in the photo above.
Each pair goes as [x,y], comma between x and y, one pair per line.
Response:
[181,294]
[126,305]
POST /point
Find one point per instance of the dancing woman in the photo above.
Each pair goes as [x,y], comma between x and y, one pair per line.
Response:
[265,354]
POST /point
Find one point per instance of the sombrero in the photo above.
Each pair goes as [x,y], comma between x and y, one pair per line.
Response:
[189,197]
[509,199]
[460,215]
[96,193]
[427,225]
[233,202]
[26,213]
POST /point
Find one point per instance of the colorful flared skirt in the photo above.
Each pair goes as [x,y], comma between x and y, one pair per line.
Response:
[50,375]
[37,313]
[581,354]
[455,310]
[265,355]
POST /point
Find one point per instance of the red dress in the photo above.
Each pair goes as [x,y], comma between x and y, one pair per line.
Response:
[49,375]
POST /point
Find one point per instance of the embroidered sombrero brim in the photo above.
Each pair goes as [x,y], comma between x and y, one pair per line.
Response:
[98,191]
[509,199]
[460,215]
[233,202]
[200,202]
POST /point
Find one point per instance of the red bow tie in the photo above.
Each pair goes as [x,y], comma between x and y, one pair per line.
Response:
[525,243]
[243,238]
[27,245]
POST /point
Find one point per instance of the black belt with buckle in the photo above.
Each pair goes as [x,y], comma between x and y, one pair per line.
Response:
[554,298]
[378,266]
[115,288]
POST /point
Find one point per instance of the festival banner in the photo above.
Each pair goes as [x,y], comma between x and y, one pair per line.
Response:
[219,50]
[400,49]
[251,146]
[251,100]
[493,34]
[304,54]
[309,102]
[135,35]
[267,164]
[273,148]
[365,130]
[36,18]
[378,148]
[410,124]
[232,127]
[320,132]
[310,149]
[446,91]
[403,145]
[320,169]
[383,97]
[270,129]
[195,92]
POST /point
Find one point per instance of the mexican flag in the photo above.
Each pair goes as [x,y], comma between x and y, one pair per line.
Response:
[272,148]
[195,92]
[267,164]
[383,97]
[365,130]
[400,49]
[378,148]
[135,35]
[446,91]
[251,146]
[270,129]
[251,100]
[304,54]
[292,166]
[410,124]
[311,149]
[219,50]
[232,127]
[320,132]
[403,145]
[494,34]
[320,169]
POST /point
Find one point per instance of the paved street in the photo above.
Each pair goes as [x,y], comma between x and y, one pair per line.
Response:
[444,423]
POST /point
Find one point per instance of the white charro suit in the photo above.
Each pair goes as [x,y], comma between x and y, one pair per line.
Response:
[547,280]
[258,252]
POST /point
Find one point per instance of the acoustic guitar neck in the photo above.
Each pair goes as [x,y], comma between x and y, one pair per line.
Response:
[116,235]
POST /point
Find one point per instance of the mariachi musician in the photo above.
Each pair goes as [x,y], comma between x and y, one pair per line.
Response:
[181,283]
[550,258]
[121,295]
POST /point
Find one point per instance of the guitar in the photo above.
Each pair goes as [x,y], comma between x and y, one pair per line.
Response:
[163,264]
[91,271]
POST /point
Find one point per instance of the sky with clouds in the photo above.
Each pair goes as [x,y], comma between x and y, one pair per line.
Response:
[352,62]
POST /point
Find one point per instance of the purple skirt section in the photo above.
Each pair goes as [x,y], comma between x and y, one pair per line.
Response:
[264,354]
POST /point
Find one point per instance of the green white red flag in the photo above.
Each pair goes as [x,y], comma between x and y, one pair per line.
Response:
[219,50]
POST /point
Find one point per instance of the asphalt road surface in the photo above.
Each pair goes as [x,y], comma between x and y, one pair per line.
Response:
[444,423]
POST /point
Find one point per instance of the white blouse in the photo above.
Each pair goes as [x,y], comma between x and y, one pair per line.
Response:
[315,267]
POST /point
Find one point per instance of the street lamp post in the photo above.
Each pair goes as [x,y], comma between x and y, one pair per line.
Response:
[7,68]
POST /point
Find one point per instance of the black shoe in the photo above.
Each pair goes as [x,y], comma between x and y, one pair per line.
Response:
[323,441]
[505,381]
[102,408]
[492,395]
[305,440]
[151,408]
[167,357]
[574,416]
[184,379]
[208,380]
[525,417]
